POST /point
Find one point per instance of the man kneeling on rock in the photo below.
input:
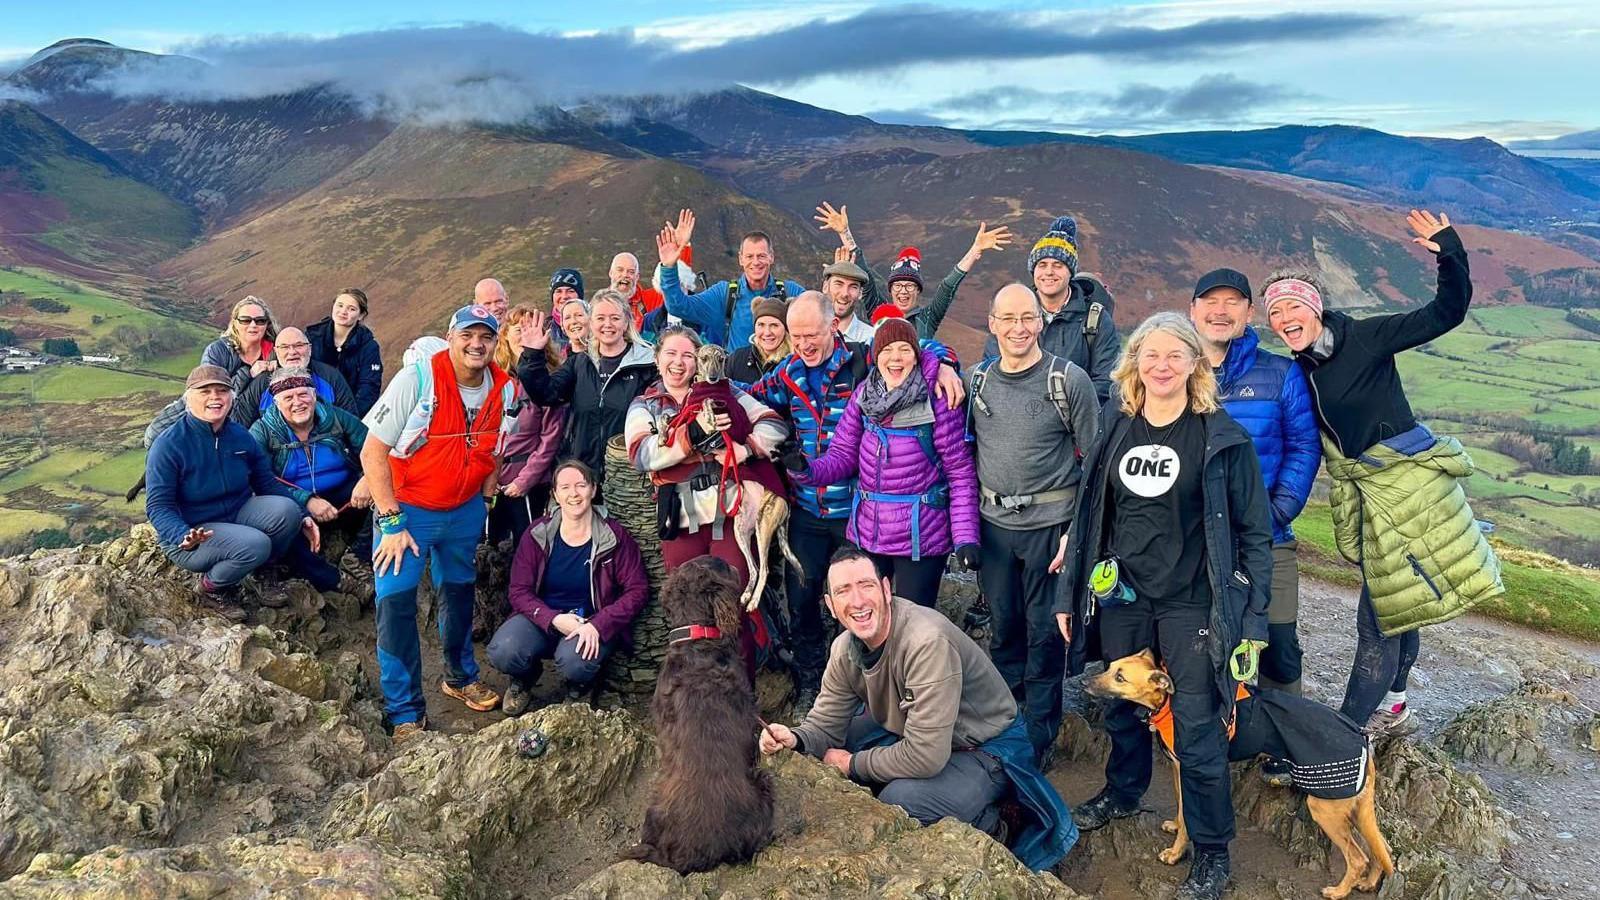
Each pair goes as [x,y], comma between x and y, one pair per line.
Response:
[911,707]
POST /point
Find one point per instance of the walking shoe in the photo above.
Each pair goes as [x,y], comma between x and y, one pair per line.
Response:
[1277,773]
[804,699]
[1096,813]
[223,601]
[1392,722]
[405,731]
[1209,875]
[475,695]
[517,699]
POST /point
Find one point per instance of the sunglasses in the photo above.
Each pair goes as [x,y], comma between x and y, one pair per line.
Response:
[252,320]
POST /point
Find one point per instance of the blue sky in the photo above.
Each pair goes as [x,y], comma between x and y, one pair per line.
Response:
[1458,68]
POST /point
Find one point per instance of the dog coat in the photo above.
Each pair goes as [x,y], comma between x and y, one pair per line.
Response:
[1327,752]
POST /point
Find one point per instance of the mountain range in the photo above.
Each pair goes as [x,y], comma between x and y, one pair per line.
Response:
[292,197]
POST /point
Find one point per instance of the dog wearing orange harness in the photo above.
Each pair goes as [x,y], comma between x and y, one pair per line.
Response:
[1329,758]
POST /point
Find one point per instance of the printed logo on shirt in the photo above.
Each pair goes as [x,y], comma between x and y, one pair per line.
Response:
[1149,470]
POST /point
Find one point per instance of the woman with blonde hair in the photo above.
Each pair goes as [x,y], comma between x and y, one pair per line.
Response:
[244,349]
[1172,553]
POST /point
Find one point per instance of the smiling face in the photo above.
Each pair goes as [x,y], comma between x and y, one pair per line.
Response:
[292,349]
[769,335]
[491,293]
[755,261]
[1165,364]
[472,347]
[1052,279]
[624,273]
[297,405]
[346,311]
[251,321]
[1015,321]
[905,294]
[676,361]
[859,598]
[1220,315]
[896,362]
[573,493]
[575,322]
[844,293]
[810,336]
[1296,323]
[608,324]
[209,403]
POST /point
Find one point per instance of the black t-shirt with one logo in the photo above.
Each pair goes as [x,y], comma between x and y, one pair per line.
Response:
[1157,511]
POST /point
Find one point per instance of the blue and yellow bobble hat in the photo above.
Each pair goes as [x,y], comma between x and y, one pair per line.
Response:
[1060,242]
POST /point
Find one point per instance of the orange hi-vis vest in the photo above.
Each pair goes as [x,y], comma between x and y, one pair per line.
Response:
[457,457]
[1161,721]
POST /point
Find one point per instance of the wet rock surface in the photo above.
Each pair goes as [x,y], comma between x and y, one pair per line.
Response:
[150,748]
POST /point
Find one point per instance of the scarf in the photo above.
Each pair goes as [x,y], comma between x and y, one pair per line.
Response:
[879,402]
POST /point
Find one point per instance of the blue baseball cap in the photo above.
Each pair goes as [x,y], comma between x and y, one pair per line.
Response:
[474,314]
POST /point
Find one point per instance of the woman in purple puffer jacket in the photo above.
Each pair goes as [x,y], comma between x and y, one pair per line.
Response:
[917,490]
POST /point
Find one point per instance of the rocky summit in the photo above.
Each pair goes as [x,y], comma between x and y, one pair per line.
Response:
[149,748]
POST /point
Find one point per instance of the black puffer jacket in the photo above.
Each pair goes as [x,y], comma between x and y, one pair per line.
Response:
[360,360]
[597,407]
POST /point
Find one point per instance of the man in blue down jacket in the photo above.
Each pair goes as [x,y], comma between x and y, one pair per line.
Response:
[1267,394]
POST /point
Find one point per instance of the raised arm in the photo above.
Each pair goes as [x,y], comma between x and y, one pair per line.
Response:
[1452,295]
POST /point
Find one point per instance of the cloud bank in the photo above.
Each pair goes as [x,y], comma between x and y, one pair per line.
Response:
[1211,100]
[497,74]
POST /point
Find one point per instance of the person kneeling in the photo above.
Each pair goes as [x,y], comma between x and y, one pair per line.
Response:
[577,582]
[940,734]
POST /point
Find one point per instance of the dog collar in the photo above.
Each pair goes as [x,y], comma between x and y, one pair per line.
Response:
[693,633]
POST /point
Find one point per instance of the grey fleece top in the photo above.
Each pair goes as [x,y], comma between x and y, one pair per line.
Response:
[1024,446]
[931,685]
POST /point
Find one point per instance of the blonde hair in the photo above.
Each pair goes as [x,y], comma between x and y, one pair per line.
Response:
[630,332]
[1202,383]
[233,333]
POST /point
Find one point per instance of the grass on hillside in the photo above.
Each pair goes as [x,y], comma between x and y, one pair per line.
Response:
[114,475]
[52,469]
[1541,592]
[75,384]
[16,523]
[86,304]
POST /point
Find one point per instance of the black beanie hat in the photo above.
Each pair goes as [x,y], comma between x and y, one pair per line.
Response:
[571,278]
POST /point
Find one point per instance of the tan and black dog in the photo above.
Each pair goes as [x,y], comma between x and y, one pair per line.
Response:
[1339,783]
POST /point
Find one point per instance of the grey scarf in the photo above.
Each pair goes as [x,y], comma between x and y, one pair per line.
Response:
[879,402]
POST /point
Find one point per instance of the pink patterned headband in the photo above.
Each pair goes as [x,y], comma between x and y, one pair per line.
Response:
[1293,289]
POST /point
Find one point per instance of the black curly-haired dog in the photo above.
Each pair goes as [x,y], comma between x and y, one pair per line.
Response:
[712,802]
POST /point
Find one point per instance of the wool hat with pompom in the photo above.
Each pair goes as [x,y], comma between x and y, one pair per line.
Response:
[907,267]
[1060,242]
[891,331]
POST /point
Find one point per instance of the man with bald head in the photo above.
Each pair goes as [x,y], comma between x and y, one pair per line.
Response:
[1033,416]
[490,293]
[643,300]
[811,389]
[292,351]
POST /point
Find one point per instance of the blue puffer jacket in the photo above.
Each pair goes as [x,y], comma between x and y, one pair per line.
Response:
[1267,394]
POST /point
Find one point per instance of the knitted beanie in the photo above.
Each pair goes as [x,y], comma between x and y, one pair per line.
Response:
[571,278]
[891,331]
[769,307]
[907,267]
[885,311]
[1060,242]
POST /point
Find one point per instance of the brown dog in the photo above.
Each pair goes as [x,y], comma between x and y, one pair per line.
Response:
[1139,679]
[712,802]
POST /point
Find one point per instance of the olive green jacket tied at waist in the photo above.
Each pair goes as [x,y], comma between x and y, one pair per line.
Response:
[1400,513]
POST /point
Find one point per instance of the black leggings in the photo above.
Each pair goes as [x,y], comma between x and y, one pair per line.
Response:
[1382,664]
[916,580]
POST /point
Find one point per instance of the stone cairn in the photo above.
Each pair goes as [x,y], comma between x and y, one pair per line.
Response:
[630,499]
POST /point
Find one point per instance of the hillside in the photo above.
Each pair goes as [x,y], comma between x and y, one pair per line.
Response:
[68,206]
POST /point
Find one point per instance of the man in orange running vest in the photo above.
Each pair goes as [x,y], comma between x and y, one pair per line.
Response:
[432,460]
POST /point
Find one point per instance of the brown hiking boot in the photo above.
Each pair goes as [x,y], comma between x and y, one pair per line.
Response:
[405,731]
[475,695]
[221,601]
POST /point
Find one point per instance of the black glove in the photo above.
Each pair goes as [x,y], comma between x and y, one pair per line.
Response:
[967,555]
[794,459]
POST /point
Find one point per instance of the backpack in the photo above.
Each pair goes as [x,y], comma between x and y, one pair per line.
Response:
[1100,301]
[780,292]
[164,419]
[1056,390]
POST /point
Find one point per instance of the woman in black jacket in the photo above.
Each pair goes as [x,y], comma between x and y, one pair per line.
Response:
[342,341]
[598,384]
[1173,497]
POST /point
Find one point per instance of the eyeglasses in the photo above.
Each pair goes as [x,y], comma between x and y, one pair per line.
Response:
[303,345]
[1026,319]
[253,320]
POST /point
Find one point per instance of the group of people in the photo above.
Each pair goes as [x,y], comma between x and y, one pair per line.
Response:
[1109,499]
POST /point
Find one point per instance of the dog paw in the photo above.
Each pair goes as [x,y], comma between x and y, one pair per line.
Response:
[1335,892]
[1172,855]
[1170,826]
[1370,883]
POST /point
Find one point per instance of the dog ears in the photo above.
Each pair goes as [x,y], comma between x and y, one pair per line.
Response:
[1161,680]
[1147,656]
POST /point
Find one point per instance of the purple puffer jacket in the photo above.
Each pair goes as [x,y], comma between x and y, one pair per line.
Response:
[897,465]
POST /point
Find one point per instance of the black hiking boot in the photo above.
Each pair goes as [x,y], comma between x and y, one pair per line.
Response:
[804,699]
[1105,806]
[221,600]
[1277,773]
[1209,875]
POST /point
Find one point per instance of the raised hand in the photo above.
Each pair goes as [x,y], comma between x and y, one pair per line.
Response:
[987,238]
[668,246]
[684,230]
[1426,226]
[535,331]
[830,219]
[841,254]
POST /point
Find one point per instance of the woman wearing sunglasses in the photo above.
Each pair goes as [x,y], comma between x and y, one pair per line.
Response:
[244,350]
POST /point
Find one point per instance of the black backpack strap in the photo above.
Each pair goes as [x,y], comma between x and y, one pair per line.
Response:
[727,312]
